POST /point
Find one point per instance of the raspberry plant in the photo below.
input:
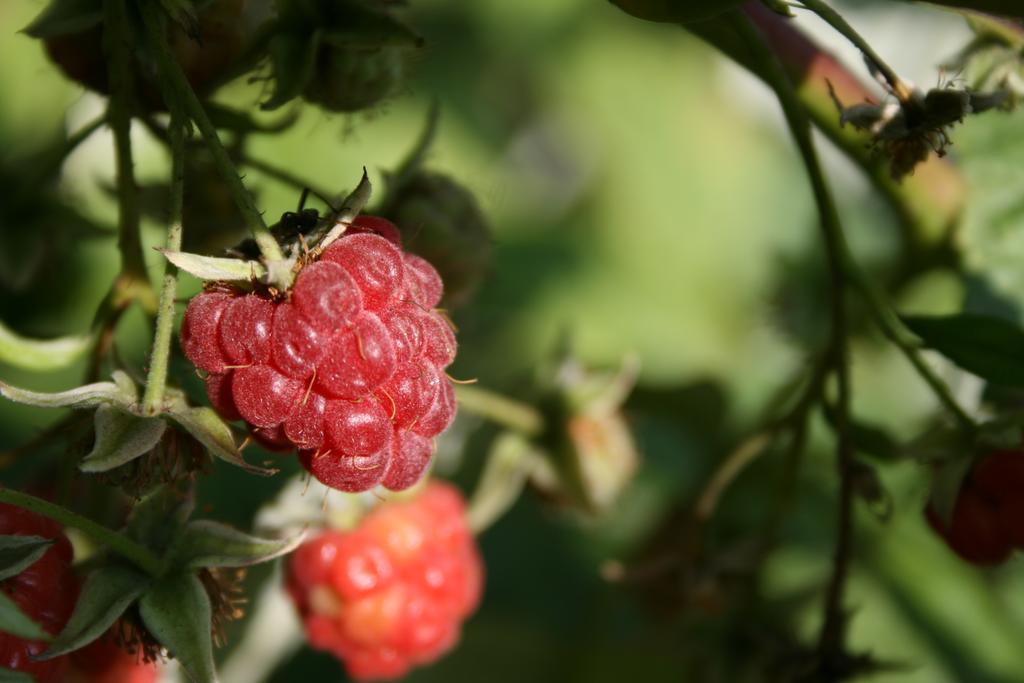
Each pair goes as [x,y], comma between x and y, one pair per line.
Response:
[312,358]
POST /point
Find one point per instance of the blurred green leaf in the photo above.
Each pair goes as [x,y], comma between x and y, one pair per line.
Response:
[990,347]
[40,354]
[206,543]
[177,611]
[15,622]
[65,16]
[107,593]
[121,437]
[18,553]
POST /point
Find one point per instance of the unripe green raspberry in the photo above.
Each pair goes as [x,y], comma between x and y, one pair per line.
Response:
[442,222]
[349,78]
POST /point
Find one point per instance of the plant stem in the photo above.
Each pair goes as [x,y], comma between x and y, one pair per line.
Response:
[287,177]
[832,631]
[836,21]
[505,411]
[730,467]
[139,555]
[119,117]
[156,378]
[893,329]
[182,91]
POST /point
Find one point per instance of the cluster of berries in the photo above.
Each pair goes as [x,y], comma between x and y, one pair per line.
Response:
[46,592]
[347,367]
[391,594]
[988,516]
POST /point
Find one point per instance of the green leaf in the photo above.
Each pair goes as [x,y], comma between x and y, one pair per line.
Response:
[211,544]
[18,553]
[38,354]
[87,396]
[14,621]
[211,431]
[215,268]
[292,56]
[65,16]
[158,518]
[120,438]
[8,676]
[992,348]
[176,610]
[107,593]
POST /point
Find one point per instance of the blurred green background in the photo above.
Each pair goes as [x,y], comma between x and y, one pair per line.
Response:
[644,199]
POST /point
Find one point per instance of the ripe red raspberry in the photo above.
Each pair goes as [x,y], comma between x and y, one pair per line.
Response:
[347,367]
[102,661]
[46,592]
[393,593]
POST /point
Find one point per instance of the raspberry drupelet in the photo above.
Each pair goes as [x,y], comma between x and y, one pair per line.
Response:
[347,367]
[391,594]
[45,591]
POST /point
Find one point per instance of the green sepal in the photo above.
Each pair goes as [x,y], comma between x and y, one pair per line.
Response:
[176,610]
[17,623]
[107,593]
[61,17]
[210,430]
[215,268]
[206,543]
[18,553]
[120,438]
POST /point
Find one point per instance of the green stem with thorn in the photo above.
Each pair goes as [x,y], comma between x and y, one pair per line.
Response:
[175,79]
[156,379]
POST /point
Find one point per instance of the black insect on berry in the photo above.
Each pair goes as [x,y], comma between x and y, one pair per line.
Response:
[295,223]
